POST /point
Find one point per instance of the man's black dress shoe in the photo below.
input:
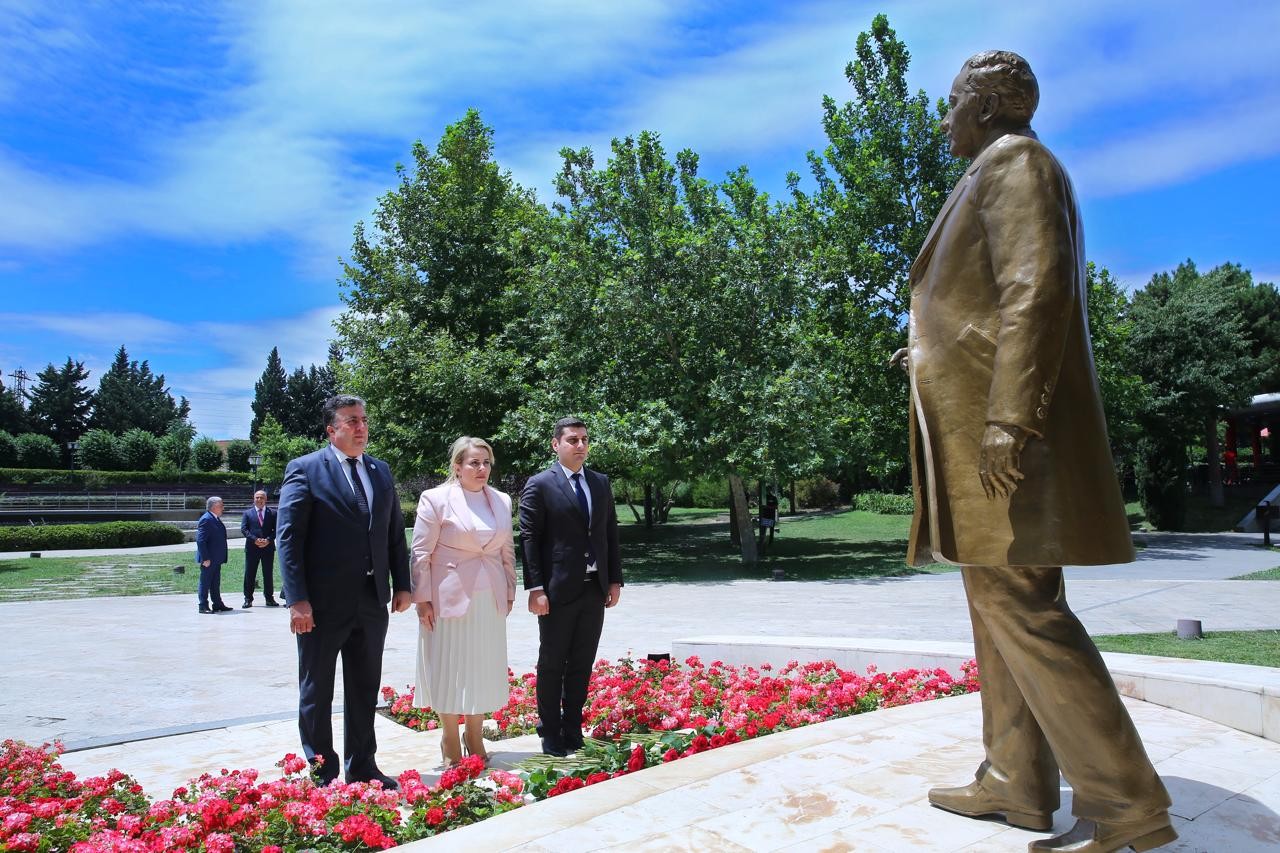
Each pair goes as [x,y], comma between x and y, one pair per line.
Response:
[221,608]
[554,746]
[246,605]
[204,610]
[388,782]
[271,602]
[573,739]
[321,778]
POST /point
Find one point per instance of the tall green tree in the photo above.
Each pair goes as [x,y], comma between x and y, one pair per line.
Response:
[1190,347]
[306,392]
[669,323]
[130,396]
[60,403]
[881,180]
[1124,394]
[270,394]
[277,448]
[13,416]
[436,295]
[880,183]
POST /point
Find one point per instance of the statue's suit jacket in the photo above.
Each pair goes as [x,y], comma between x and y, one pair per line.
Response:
[999,334]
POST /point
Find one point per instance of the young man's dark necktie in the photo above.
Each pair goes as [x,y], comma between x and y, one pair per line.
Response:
[586,513]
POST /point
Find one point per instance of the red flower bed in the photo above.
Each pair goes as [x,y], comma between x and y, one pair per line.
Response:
[642,713]
[639,714]
[45,808]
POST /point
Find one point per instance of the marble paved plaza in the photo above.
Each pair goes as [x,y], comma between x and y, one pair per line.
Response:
[98,670]
[150,686]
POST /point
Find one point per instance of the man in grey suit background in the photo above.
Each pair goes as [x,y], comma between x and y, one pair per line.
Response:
[572,572]
[211,553]
[342,549]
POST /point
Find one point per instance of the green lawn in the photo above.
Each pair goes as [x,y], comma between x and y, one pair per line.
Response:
[1203,518]
[45,578]
[1260,648]
[1264,575]
[840,545]
[692,546]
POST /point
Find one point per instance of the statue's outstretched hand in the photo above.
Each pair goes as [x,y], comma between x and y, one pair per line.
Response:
[1000,459]
[901,358]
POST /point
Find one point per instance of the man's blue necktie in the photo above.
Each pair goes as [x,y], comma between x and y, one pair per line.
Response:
[586,513]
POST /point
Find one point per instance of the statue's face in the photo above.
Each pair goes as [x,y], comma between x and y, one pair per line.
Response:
[962,123]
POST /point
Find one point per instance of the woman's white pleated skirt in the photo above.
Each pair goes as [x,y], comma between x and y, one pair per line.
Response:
[462,664]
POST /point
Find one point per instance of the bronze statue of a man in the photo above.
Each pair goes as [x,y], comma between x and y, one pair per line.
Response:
[1013,475]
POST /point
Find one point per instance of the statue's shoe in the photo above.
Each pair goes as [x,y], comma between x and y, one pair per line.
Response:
[1087,836]
[973,800]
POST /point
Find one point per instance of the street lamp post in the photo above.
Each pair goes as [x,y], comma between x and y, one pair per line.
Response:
[255,459]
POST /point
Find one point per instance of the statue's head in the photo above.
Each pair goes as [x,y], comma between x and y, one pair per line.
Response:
[994,93]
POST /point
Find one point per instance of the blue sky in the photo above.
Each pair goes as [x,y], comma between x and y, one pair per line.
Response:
[183,178]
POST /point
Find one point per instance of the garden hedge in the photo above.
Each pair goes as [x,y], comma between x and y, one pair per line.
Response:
[97,479]
[884,503]
[111,534]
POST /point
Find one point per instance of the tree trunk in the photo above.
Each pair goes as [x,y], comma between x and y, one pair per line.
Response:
[634,511]
[746,541]
[735,539]
[792,489]
[648,505]
[1216,496]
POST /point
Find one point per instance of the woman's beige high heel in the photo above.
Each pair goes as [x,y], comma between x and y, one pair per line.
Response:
[444,756]
[466,749]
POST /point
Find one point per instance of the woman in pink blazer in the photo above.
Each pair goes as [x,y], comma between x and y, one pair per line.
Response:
[464,583]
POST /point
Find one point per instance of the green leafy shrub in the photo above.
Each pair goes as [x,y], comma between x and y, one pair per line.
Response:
[817,492]
[99,450]
[206,454]
[111,534]
[710,492]
[37,451]
[238,453]
[139,450]
[104,479]
[8,450]
[1161,472]
[884,503]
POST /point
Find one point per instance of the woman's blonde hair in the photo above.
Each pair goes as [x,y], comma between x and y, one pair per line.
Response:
[461,446]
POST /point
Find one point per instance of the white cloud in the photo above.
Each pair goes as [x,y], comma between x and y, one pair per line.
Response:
[305,89]
[220,395]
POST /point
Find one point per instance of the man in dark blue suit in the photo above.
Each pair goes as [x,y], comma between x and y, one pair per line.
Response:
[572,571]
[258,524]
[342,553]
[211,553]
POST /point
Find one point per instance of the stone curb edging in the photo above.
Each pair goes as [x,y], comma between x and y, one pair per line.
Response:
[1246,698]
[544,818]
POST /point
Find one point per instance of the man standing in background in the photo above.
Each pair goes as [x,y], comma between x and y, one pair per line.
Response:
[211,553]
[258,524]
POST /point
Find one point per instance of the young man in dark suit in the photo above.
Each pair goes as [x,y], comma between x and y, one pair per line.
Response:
[258,524]
[342,552]
[211,553]
[572,571]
